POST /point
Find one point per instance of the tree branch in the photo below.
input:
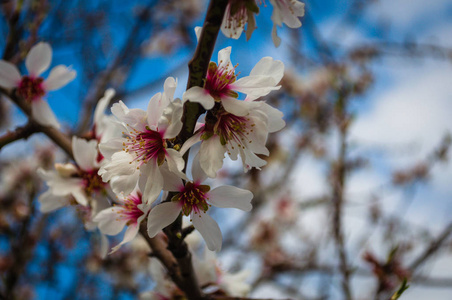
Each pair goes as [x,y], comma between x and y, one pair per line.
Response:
[55,135]
[19,133]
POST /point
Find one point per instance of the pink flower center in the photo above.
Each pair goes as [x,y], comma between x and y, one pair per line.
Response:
[91,181]
[193,196]
[233,128]
[218,81]
[146,145]
[30,88]
[131,212]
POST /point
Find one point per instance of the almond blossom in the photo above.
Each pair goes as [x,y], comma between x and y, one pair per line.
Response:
[130,211]
[245,136]
[33,87]
[221,84]
[194,199]
[78,180]
[287,12]
[237,14]
[145,145]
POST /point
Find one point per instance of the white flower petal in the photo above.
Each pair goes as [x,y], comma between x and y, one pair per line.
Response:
[211,155]
[236,107]
[171,182]
[109,148]
[154,181]
[9,75]
[198,30]
[255,86]
[199,95]
[197,172]
[231,197]
[175,162]
[99,112]
[38,59]
[130,234]
[43,114]
[50,202]
[155,108]
[173,113]
[209,230]
[80,197]
[169,87]
[121,164]
[109,222]
[85,153]
[161,216]
[64,186]
[275,117]
[59,76]
[276,39]
[267,66]
[190,142]
[224,60]
[104,246]
[134,117]
[124,183]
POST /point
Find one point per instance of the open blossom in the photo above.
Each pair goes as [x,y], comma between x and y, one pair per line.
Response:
[138,155]
[287,12]
[130,211]
[237,14]
[221,84]
[245,136]
[33,87]
[194,199]
[78,180]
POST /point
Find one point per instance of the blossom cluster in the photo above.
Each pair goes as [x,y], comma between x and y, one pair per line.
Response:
[134,158]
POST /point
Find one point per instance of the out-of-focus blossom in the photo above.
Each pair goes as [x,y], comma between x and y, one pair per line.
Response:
[240,12]
[287,12]
[194,199]
[78,180]
[237,14]
[33,87]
